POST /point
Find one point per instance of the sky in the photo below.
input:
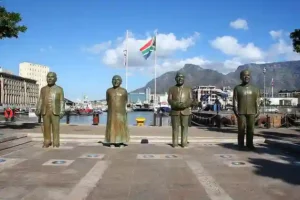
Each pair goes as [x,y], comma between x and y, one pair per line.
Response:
[83,41]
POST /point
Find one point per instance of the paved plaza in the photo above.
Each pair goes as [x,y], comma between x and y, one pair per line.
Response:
[206,171]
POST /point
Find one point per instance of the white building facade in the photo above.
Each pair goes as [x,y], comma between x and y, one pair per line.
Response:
[34,71]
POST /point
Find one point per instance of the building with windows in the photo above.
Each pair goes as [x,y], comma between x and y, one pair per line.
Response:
[18,91]
[34,71]
[288,93]
[206,92]
[136,97]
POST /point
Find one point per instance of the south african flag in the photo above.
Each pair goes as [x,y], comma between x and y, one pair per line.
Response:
[148,48]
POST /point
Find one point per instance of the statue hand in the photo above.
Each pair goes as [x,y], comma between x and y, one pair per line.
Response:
[37,113]
[61,115]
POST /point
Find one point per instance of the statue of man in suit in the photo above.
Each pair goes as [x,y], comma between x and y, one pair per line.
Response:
[51,106]
[116,128]
[246,108]
[180,98]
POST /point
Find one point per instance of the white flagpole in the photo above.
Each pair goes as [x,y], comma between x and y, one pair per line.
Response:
[155,68]
[126,59]
[272,87]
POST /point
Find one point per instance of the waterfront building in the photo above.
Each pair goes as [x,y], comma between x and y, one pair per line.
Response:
[18,91]
[205,91]
[289,93]
[137,97]
[148,94]
[34,71]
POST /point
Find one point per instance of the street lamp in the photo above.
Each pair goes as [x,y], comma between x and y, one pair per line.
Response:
[265,70]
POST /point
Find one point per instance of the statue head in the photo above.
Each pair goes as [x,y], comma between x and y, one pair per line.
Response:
[179,79]
[51,78]
[116,81]
[245,76]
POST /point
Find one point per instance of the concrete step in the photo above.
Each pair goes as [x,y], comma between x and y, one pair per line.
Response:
[13,140]
[77,138]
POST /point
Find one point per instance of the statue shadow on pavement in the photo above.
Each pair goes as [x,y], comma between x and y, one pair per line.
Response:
[273,163]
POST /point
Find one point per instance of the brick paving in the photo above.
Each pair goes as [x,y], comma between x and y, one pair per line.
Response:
[147,171]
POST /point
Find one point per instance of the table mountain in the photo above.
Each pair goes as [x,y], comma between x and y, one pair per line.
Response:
[286,75]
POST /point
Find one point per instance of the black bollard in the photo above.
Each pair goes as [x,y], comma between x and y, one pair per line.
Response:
[154,119]
[160,119]
[68,117]
[268,122]
[40,119]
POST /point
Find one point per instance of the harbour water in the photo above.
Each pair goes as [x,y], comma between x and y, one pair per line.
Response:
[131,116]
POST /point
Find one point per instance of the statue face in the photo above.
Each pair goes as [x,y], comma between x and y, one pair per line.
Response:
[246,77]
[179,79]
[51,78]
[116,81]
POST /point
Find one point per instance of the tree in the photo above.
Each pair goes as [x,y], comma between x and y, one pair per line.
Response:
[295,36]
[9,27]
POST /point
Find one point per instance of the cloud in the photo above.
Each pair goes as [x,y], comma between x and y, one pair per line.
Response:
[97,48]
[230,46]
[171,48]
[281,48]
[276,34]
[239,24]
[167,44]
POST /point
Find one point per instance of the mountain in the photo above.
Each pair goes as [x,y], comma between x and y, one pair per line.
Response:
[286,75]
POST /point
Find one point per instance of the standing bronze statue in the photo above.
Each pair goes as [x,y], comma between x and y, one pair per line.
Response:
[51,105]
[116,128]
[180,98]
[246,108]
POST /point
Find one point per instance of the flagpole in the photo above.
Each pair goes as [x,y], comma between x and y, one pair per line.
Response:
[155,68]
[272,87]
[126,60]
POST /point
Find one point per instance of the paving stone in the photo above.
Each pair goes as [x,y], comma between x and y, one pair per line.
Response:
[128,177]
[49,192]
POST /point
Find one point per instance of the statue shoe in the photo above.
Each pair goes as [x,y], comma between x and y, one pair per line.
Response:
[46,145]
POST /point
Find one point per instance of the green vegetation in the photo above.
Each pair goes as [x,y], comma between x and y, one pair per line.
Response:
[9,27]
[295,36]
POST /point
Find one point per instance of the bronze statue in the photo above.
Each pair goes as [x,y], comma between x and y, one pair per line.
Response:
[116,128]
[51,105]
[246,109]
[180,98]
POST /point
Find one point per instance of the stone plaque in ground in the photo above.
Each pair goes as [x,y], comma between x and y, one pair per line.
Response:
[93,156]
[159,156]
[226,156]
[9,162]
[58,162]
[237,163]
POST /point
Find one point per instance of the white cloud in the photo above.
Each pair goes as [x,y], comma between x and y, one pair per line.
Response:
[230,46]
[97,48]
[276,34]
[167,44]
[170,46]
[239,24]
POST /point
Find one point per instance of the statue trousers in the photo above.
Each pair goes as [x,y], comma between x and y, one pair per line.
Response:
[246,126]
[183,121]
[51,121]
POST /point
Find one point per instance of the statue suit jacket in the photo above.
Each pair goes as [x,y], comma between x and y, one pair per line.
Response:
[58,102]
[246,100]
[180,94]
